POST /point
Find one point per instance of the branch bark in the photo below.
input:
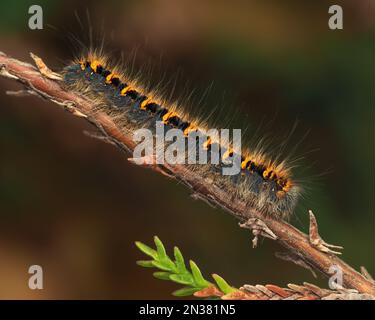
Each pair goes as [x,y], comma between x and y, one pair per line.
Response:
[300,246]
[306,291]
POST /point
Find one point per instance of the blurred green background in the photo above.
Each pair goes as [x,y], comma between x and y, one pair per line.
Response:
[75,206]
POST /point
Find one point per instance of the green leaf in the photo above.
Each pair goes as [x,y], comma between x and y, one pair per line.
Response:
[222,284]
[182,278]
[161,266]
[177,271]
[170,264]
[146,249]
[162,254]
[180,262]
[145,263]
[197,275]
[186,291]
[162,275]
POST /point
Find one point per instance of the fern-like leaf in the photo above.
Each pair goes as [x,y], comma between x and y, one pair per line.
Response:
[176,270]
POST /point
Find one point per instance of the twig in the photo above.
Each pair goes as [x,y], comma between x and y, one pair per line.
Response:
[287,256]
[307,291]
[295,241]
[258,228]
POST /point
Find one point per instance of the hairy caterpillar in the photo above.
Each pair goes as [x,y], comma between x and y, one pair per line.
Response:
[263,183]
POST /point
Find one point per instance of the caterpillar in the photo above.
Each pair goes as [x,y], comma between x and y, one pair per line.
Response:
[263,183]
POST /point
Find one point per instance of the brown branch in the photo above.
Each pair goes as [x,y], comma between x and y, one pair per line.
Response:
[307,291]
[311,250]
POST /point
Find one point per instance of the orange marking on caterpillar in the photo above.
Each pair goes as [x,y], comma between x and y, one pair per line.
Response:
[287,186]
[82,64]
[269,173]
[94,65]
[228,153]
[168,115]
[207,143]
[245,163]
[189,129]
[109,78]
[146,102]
[126,90]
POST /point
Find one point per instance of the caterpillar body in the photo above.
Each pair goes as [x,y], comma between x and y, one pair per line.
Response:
[263,183]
